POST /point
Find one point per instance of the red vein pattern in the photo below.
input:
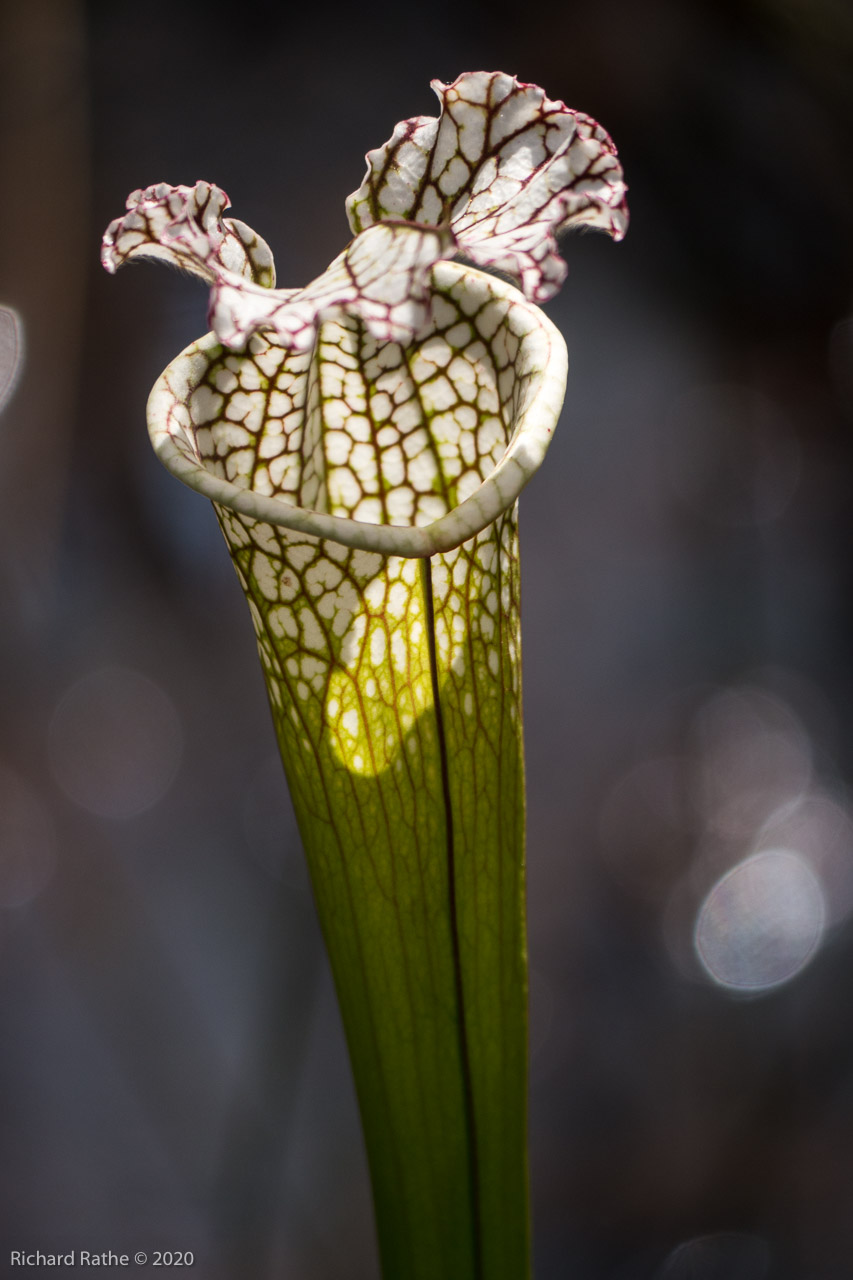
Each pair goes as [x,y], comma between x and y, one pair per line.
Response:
[504,168]
[383,277]
[495,177]
[184,227]
[401,449]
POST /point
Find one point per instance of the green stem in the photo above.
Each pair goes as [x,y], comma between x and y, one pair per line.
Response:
[401,739]
[464,1055]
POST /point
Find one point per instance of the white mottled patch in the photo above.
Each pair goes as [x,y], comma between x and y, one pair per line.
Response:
[422,472]
[359,428]
[400,504]
[454,177]
[416,442]
[300,554]
[230,435]
[460,334]
[338,445]
[363,463]
[265,575]
[239,466]
[490,318]
[399,652]
[408,416]
[250,376]
[393,466]
[487,398]
[344,490]
[422,367]
[381,406]
[463,372]
[269,361]
[430,210]
[205,405]
[438,395]
[486,553]
[377,646]
[322,576]
[352,641]
[279,405]
[282,623]
[335,413]
[374,593]
[366,564]
[203,442]
[489,434]
[369,510]
[284,472]
[312,635]
[398,601]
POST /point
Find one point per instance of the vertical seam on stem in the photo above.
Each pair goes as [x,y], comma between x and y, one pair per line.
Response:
[462,1028]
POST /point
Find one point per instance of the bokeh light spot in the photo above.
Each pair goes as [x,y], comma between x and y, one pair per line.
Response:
[761,922]
[727,1255]
[115,742]
[11,352]
[27,841]
[753,755]
[820,828]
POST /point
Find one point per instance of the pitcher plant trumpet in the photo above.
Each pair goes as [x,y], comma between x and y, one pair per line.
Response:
[364,440]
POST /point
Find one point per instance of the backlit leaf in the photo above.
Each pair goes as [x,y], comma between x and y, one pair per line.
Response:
[364,440]
[394,684]
[505,169]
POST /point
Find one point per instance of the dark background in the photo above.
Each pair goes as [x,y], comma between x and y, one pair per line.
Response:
[173,1072]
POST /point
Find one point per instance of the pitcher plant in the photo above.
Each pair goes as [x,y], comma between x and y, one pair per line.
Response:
[364,440]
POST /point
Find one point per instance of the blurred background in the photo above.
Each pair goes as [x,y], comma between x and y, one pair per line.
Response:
[173,1069]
